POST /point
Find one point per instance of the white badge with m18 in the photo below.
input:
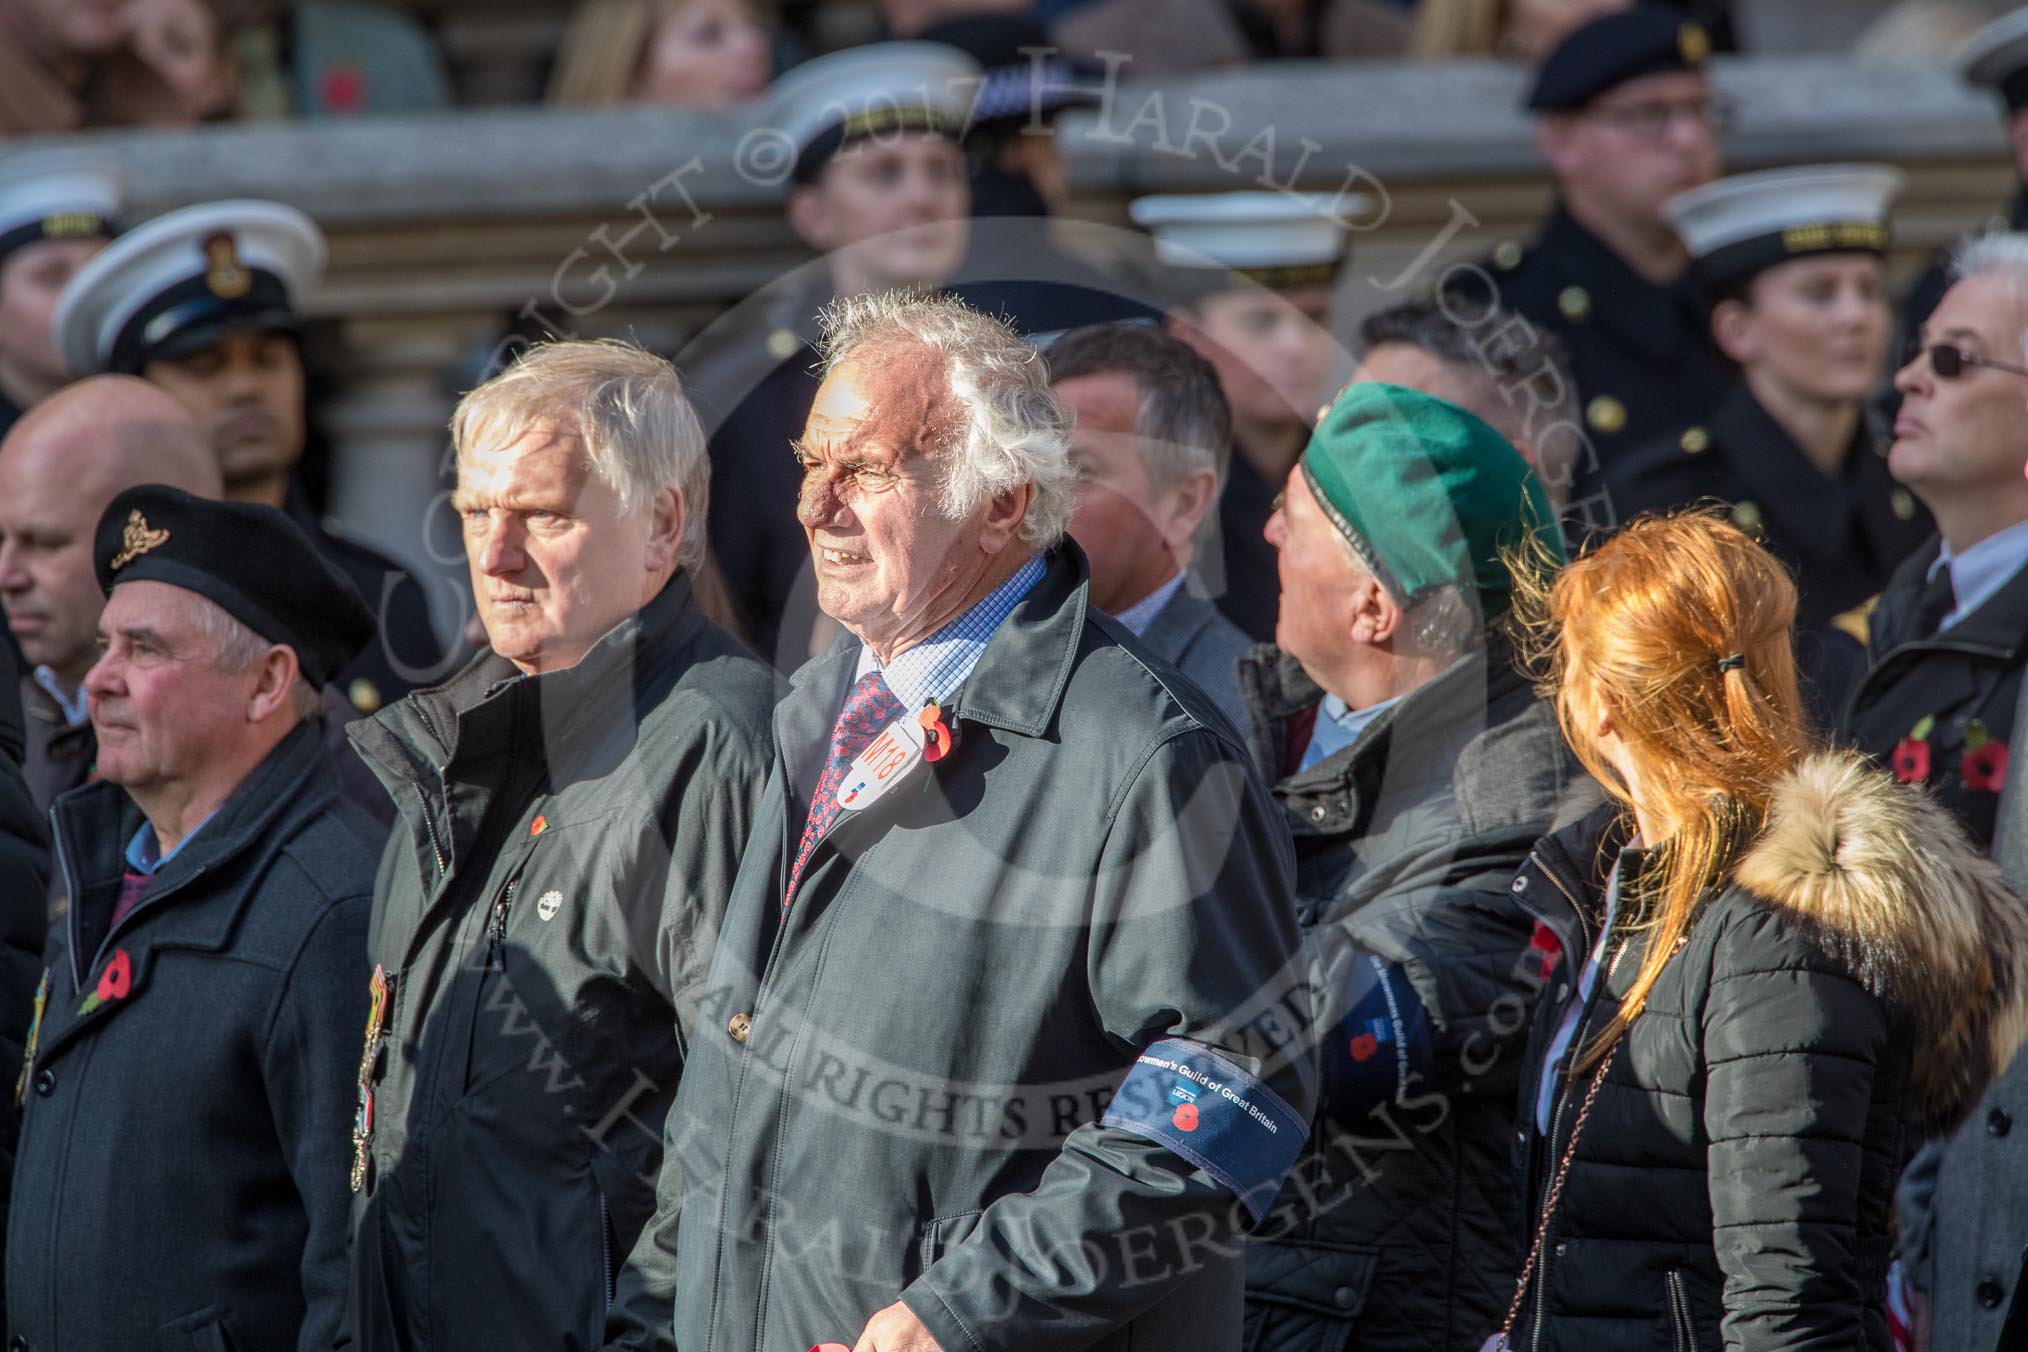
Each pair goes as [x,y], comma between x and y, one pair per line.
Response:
[882,765]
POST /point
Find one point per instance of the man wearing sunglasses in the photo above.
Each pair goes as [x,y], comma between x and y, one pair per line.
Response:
[1628,121]
[1949,638]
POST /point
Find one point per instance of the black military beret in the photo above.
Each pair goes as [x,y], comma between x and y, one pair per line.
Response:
[1615,48]
[252,560]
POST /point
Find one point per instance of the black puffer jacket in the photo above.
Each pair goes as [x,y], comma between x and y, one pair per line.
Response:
[1732,1185]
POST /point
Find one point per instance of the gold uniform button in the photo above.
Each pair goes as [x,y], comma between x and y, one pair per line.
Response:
[1695,441]
[1694,43]
[782,344]
[1574,301]
[1606,414]
[1746,516]
[364,694]
[1903,503]
[1508,256]
[739,1026]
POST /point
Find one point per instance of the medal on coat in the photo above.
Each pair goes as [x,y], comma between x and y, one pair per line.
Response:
[380,996]
[937,735]
[34,1039]
[884,763]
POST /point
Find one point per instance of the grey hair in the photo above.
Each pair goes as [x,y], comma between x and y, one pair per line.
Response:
[1993,251]
[1010,429]
[234,648]
[627,408]
[1183,422]
[1442,621]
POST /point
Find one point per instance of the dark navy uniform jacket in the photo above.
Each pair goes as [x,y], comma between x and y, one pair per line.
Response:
[1841,537]
[1642,354]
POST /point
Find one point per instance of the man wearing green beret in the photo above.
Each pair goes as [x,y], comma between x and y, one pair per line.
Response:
[1415,767]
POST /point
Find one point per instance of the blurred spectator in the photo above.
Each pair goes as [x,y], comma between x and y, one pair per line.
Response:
[1259,267]
[64,65]
[56,212]
[187,44]
[1792,260]
[1524,30]
[1524,390]
[1627,120]
[910,18]
[703,53]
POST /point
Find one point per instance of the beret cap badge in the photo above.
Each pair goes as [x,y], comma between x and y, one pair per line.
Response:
[1694,43]
[137,540]
[224,275]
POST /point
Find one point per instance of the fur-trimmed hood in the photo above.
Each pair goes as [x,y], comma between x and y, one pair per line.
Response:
[1924,918]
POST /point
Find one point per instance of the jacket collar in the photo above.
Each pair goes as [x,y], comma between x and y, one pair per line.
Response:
[94,824]
[1019,681]
[1999,627]
[1814,510]
[474,714]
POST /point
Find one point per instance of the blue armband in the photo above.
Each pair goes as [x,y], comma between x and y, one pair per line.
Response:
[1185,1096]
[1380,1048]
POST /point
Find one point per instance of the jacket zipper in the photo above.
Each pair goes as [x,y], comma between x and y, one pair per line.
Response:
[496,928]
[1679,1314]
[606,1247]
[1555,1129]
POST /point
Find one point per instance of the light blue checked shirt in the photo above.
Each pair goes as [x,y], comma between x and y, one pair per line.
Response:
[936,667]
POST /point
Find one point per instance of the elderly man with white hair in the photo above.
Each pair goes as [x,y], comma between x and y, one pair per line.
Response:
[997,1051]
[572,809]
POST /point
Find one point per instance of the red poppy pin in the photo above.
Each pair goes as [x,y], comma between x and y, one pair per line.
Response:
[937,733]
[1364,1046]
[1911,754]
[538,826]
[114,983]
[1185,1117]
[1984,764]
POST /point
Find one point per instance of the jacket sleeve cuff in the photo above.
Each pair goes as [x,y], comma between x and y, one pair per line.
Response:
[951,1332]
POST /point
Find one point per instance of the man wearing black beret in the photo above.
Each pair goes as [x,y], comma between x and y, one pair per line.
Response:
[1627,121]
[182,1170]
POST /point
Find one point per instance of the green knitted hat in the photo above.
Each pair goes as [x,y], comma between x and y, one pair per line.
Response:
[1428,495]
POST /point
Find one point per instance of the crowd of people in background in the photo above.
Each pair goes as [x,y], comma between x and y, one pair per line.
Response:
[996,800]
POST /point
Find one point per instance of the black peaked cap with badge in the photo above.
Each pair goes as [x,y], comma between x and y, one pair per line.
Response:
[251,560]
[1613,49]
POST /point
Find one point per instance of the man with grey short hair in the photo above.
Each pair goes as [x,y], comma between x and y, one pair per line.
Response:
[573,805]
[998,1046]
[1151,437]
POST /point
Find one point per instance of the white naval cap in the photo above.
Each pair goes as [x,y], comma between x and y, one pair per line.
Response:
[1997,56]
[884,88]
[1738,226]
[56,194]
[185,280]
[1280,240]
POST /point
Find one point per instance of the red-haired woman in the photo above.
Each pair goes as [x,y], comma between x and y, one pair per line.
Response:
[1778,969]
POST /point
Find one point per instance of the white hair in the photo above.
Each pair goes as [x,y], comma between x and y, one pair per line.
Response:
[1010,430]
[626,407]
[234,648]
[2004,252]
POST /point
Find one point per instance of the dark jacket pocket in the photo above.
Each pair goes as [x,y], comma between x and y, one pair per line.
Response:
[939,1236]
[208,1330]
[1304,1295]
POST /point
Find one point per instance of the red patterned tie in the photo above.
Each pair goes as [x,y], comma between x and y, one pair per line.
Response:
[870,707]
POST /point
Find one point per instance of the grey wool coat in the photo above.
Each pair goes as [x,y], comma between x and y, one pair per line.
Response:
[1014,1054]
[180,1181]
[543,918]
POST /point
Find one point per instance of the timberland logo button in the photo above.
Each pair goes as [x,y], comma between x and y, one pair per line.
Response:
[546,904]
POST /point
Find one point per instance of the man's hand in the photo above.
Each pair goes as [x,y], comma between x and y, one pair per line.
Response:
[896,1329]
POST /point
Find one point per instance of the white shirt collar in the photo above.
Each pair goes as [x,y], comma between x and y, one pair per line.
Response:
[936,667]
[1138,616]
[76,705]
[1979,573]
[1338,726]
